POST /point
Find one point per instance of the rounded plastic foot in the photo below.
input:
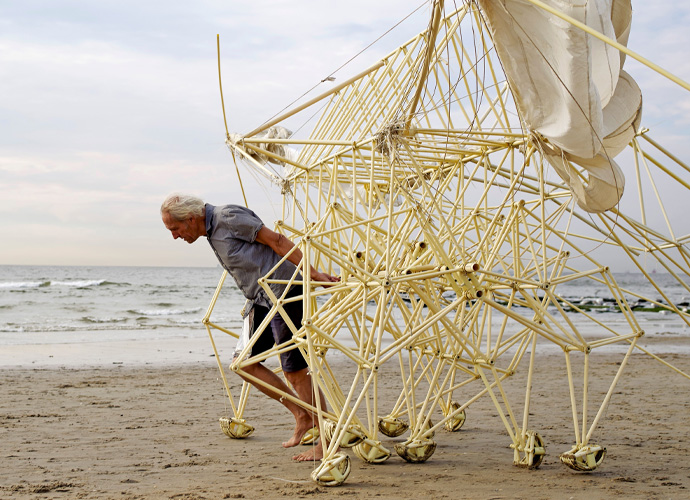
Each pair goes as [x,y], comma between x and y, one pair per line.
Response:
[332,472]
[392,426]
[425,435]
[235,428]
[352,436]
[310,436]
[584,459]
[371,451]
[533,451]
[416,451]
[456,422]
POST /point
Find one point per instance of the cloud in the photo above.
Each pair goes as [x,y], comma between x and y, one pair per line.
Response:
[106,107]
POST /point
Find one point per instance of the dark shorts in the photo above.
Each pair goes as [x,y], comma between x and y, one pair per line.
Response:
[290,361]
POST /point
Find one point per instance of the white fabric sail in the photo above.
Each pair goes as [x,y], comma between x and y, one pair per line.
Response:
[570,89]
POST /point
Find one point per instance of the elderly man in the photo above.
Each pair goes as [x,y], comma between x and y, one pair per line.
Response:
[248,250]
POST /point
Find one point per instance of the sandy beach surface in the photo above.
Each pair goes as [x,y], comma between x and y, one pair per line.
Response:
[123,430]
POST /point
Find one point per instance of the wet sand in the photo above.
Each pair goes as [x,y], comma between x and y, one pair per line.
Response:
[128,431]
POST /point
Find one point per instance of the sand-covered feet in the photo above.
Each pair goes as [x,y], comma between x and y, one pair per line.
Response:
[303,424]
[314,453]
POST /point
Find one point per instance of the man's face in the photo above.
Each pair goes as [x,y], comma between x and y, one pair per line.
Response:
[185,229]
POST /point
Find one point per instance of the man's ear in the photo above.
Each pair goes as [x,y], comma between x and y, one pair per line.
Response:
[196,222]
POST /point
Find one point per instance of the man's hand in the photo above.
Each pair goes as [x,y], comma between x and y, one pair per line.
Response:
[319,276]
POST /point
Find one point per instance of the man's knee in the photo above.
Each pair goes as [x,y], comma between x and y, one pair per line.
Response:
[249,370]
[298,376]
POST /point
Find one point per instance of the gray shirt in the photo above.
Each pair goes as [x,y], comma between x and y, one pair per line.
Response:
[231,231]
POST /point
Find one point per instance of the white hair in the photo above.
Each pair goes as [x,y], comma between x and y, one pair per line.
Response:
[182,206]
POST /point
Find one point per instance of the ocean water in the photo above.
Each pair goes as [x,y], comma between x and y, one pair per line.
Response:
[48,305]
[61,304]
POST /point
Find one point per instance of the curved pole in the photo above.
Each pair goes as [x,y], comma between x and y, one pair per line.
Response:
[433,31]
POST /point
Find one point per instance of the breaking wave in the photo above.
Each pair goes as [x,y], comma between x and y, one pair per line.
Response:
[164,312]
[79,284]
[19,285]
[93,319]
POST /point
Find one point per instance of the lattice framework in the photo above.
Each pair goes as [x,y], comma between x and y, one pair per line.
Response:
[452,238]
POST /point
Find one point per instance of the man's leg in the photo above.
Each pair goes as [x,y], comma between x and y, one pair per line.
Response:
[297,373]
[269,378]
[302,382]
[303,419]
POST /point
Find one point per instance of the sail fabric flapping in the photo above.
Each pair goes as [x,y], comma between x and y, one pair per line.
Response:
[570,89]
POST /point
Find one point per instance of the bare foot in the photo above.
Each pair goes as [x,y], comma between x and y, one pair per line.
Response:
[302,425]
[316,453]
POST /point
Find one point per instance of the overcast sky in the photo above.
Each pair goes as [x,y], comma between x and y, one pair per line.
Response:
[107,106]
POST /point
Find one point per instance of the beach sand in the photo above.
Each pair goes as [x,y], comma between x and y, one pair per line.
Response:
[131,431]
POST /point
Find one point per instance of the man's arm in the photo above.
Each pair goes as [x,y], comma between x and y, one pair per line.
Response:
[282,245]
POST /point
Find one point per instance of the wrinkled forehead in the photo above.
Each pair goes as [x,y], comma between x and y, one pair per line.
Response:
[170,222]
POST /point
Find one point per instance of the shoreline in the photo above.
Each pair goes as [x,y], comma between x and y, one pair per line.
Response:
[192,346]
[95,354]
